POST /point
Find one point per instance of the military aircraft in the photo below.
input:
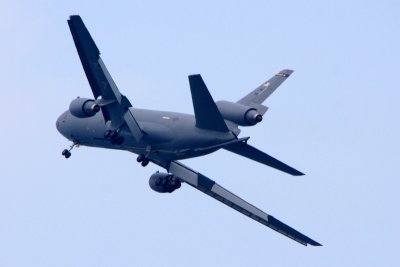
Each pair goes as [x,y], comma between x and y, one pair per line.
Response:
[110,121]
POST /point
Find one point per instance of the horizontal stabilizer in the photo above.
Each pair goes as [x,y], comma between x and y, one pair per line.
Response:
[205,110]
[253,153]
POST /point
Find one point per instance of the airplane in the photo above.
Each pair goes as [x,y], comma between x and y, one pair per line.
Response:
[164,138]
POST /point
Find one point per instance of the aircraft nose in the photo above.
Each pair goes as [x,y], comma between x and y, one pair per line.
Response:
[60,124]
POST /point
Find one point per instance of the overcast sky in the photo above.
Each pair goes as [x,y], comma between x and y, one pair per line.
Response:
[335,119]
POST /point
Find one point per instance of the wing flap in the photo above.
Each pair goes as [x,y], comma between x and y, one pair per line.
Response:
[133,125]
[248,151]
[214,190]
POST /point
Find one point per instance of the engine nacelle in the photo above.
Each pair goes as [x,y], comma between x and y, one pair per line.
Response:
[238,113]
[164,182]
[83,107]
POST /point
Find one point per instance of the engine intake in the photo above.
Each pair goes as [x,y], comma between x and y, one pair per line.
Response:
[83,107]
[238,113]
[164,182]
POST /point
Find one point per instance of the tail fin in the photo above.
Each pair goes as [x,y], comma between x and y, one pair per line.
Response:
[257,96]
[205,110]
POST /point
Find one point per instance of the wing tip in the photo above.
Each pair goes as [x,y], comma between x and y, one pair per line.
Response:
[298,173]
[288,71]
[288,231]
[308,241]
[285,73]
[74,16]
[315,244]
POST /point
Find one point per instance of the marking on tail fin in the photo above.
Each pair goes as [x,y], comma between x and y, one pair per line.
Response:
[281,74]
[263,88]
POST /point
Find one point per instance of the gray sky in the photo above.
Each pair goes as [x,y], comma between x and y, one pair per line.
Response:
[336,119]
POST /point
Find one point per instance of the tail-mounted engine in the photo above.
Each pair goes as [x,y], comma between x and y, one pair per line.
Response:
[238,113]
[164,182]
[83,107]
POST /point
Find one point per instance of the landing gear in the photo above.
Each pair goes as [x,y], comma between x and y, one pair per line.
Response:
[67,152]
[114,136]
[117,140]
[140,158]
[144,161]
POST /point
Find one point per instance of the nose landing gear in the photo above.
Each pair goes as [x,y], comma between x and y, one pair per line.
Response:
[67,152]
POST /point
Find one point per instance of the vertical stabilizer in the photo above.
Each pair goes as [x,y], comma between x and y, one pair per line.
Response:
[205,110]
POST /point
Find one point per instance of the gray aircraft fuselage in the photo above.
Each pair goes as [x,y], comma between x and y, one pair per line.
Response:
[169,135]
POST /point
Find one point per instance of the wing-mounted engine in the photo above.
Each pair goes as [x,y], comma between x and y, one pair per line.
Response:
[164,182]
[83,107]
[240,114]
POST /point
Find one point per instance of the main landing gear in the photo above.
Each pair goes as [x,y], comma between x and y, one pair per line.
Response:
[114,136]
[67,152]
[144,161]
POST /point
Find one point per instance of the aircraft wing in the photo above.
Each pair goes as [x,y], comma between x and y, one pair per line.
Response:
[114,105]
[211,188]
[257,96]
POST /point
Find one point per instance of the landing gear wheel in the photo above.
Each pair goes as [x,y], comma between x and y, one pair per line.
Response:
[64,152]
[140,158]
[114,135]
[67,152]
[145,162]
[119,140]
